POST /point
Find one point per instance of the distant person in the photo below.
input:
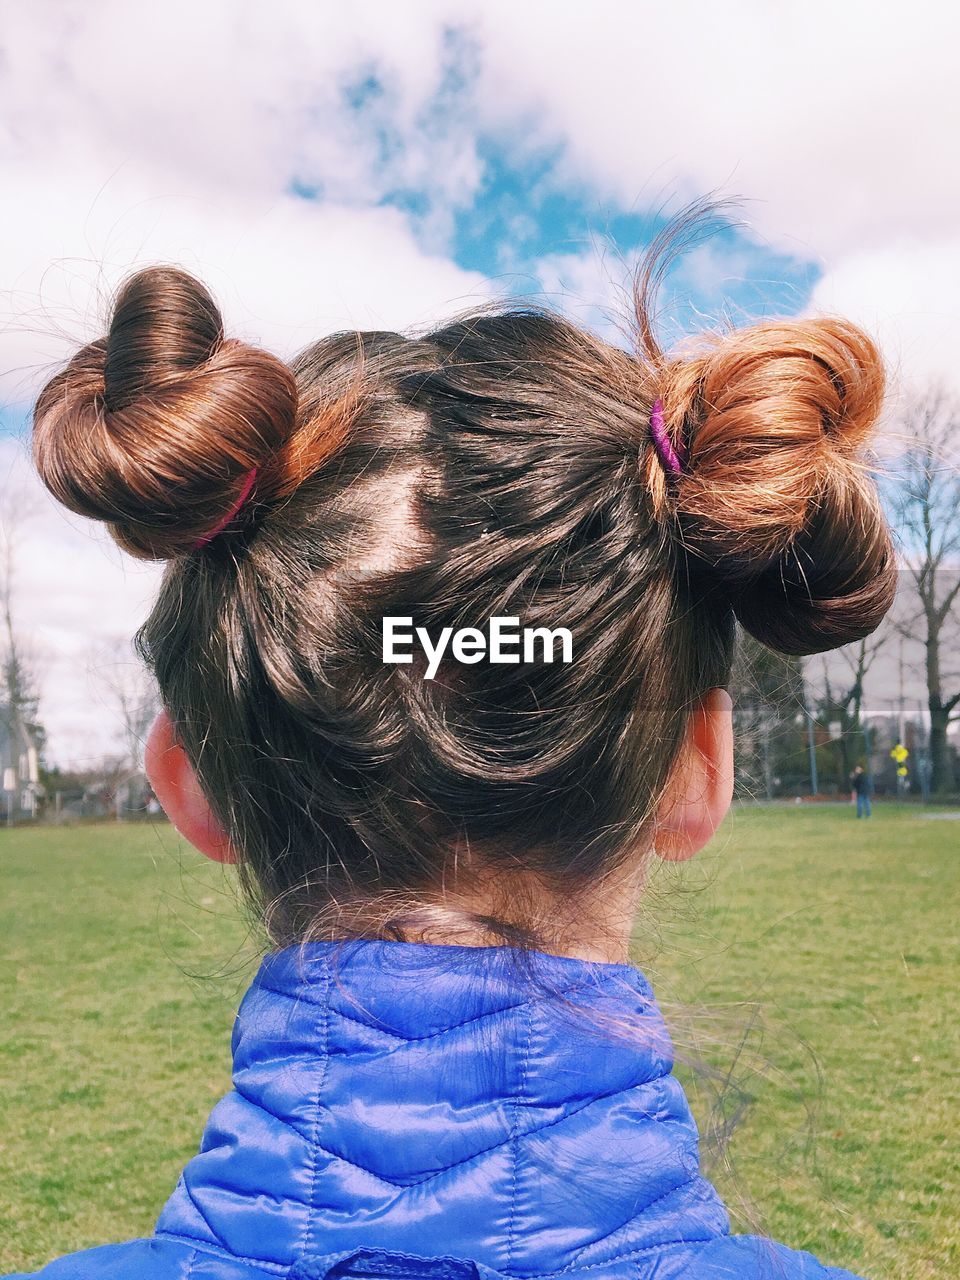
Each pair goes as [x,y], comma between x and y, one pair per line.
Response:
[860,791]
[448,1065]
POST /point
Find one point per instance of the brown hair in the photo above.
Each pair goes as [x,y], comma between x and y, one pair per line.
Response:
[498,465]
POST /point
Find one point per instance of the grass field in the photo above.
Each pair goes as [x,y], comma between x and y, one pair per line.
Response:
[811,957]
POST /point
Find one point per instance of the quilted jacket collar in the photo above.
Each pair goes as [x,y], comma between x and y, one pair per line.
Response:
[415,1098]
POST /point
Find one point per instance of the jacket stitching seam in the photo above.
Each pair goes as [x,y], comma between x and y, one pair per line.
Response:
[475,1155]
[622,1257]
[201,1215]
[315,1147]
[524,1063]
[454,1026]
[433,1035]
[623,1225]
[221,1251]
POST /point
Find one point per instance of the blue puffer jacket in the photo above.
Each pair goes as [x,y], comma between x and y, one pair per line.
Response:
[408,1110]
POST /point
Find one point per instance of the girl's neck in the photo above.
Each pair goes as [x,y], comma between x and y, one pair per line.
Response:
[594,924]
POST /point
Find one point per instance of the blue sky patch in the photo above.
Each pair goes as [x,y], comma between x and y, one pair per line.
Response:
[523,228]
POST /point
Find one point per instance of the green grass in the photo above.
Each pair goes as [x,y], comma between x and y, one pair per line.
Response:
[829,948]
[814,956]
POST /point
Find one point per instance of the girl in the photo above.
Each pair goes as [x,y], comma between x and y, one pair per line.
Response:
[448,1067]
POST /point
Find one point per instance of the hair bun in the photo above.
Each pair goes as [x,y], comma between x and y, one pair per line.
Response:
[155,427]
[775,497]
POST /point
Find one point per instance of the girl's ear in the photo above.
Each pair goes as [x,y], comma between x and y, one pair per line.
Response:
[699,793]
[176,787]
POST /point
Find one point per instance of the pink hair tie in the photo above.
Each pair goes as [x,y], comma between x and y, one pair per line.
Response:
[219,527]
[668,455]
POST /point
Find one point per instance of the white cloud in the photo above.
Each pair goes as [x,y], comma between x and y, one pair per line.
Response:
[838,121]
[224,96]
[835,122]
[285,270]
[907,294]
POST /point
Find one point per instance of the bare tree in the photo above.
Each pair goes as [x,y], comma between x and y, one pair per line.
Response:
[129,690]
[924,492]
[840,700]
[19,678]
[767,690]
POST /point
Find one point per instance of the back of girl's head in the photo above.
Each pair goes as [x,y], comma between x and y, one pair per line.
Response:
[498,466]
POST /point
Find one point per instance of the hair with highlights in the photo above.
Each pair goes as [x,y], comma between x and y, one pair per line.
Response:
[500,464]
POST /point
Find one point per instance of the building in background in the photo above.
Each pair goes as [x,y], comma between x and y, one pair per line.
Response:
[19,767]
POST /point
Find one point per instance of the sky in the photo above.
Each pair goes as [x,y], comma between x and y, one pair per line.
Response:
[324,166]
